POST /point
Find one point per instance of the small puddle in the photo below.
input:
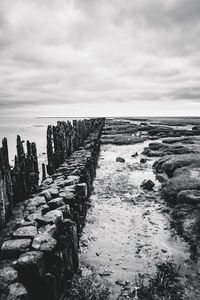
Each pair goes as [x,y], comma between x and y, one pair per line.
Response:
[127,229]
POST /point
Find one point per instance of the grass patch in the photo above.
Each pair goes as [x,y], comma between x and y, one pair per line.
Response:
[165,284]
[88,288]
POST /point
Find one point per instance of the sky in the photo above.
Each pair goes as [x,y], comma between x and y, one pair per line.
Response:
[99,58]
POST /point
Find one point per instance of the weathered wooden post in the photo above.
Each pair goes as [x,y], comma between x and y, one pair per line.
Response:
[6,189]
[43,172]
[22,168]
[50,156]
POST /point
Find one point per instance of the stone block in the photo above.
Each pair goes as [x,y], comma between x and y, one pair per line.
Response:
[16,246]
[8,275]
[25,232]
[44,242]
[55,203]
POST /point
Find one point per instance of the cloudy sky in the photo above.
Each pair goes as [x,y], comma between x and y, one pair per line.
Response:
[99,57]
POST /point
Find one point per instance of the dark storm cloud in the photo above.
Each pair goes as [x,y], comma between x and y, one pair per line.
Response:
[66,53]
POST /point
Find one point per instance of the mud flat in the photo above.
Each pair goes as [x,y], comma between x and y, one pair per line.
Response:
[129,229]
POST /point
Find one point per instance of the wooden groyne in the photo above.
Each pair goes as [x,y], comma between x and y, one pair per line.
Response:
[65,138]
[39,246]
[17,183]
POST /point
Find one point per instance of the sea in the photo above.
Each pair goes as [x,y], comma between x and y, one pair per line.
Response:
[34,130]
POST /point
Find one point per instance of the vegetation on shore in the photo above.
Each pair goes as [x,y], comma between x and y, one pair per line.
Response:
[164,285]
[90,287]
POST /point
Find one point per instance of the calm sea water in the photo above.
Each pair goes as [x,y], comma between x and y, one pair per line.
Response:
[34,130]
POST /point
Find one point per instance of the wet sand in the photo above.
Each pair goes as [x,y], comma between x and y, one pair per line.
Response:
[128,229]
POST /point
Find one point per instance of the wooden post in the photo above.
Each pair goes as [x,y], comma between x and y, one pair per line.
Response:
[50,166]
[43,172]
[6,188]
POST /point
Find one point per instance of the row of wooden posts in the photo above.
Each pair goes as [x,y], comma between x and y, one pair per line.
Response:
[65,138]
[17,183]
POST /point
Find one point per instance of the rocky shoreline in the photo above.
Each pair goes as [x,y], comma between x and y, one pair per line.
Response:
[178,170]
[176,155]
[132,208]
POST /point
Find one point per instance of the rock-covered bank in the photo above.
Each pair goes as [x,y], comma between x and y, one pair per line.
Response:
[39,246]
[128,229]
[177,167]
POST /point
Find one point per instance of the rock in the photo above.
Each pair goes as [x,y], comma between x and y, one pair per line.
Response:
[85,272]
[178,140]
[55,203]
[25,232]
[161,177]
[35,216]
[153,153]
[68,197]
[186,221]
[22,223]
[46,194]
[121,282]
[65,211]
[76,172]
[159,149]
[48,229]
[143,160]
[45,209]
[60,182]
[169,164]
[69,182]
[164,250]
[120,159]
[30,206]
[155,146]
[31,262]
[44,242]
[16,246]
[47,181]
[8,275]
[38,201]
[161,131]
[186,178]
[148,184]
[189,196]
[50,193]
[70,188]
[15,291]
[179,150]
[121,139]
[53,216]
[196,128]
[76,179]
[134,154]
